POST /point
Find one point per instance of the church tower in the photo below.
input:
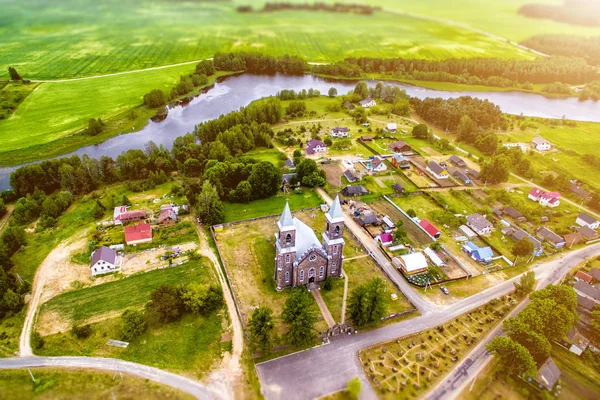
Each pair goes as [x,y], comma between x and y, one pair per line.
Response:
[285,243]
[333,240]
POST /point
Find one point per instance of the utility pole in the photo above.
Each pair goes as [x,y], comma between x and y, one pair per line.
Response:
[32,378]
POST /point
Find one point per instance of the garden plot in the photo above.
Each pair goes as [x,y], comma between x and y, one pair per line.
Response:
[415,234]
[408,367]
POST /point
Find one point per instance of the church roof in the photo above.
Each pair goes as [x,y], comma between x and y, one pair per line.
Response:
[335,212]
[286,222]
[305,238]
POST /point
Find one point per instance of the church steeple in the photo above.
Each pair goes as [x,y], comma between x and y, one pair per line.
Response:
[286,222]
[335,212]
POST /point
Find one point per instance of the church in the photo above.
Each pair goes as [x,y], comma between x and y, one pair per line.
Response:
[301,258]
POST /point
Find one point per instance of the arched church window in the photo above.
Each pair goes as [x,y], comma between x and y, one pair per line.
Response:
[287,276]
[311,272]
[337,230]
[288,239]
[335,249]
[321,272]
[333,267]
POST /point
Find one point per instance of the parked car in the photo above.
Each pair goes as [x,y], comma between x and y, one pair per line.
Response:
[444,290]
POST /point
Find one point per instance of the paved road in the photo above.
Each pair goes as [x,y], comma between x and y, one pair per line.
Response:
[375,252]
[179,382]
[328,368]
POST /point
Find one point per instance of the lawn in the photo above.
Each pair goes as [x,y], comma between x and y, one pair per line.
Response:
[408,367]
[49,40]
[272,205]
[72,383]
[97,301]
[192,344]
[273,156]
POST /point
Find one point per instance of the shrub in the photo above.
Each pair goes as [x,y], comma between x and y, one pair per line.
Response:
[37,342]
[133,324]
[82,331]
[328,284]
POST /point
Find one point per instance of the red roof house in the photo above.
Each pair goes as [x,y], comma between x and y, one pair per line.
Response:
[429,228]
[386,239]
[535,193]
[136,234]
[580,275]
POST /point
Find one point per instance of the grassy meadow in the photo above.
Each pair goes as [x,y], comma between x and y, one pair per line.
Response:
[72,383]
[73,39]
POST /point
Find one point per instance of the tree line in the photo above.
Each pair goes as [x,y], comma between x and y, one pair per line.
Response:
[319,6]
[555,44]
[259,63]
[472,71]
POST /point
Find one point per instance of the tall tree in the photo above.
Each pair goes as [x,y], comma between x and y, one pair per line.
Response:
[361,90]
[332,92]
[514,359]
[420,131]
[537,345]
[265,180]
[526,284]
[14,75]
[166,303]
[299,315]
[133,324]
[367,303]
[261,329]
[522,248]
[208,205]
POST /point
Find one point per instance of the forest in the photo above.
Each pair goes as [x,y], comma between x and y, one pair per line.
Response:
[259,63]
[477,71]
[567,45]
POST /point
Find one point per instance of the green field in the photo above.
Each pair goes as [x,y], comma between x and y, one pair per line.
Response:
[95,301]
[63,383]
[82,38]
[496,17]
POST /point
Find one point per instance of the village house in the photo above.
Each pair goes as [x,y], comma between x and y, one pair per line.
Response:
[582,193]
[399,161]
[547,376]
[479,254]
[437,170]
[571,239]
[104,261]
[433,257]
[315,146]
[368,102]
[518,234]
[587,233]
[400,147]
[552,238]
[167,216]
[480,224]
[338,132]
[461,176]
[301,259]
[534,194]
[348,105]
[579,343]
[514,213]
[550,199]
[386,239]
[457,161]
[388,223]
[595,273]
[376,165]
[411,264]
[585,303]
[521,146]
[122,216]
[349,175]
[367,219]
[585,219]
[391,127]
[586,290]
[358,190]
[474,174]
[582,276]
[138,234]
[289,164]
[430,229]
[366,138]
[541,144]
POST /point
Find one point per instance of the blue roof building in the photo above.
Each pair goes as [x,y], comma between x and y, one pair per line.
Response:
[479,254]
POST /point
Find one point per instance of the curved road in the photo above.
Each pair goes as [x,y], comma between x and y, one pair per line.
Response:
[328,368]
[179,382]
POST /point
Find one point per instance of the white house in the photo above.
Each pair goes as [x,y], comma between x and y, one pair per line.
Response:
[479,224]
[437,170]
[413,263]
[540,144]
[339,132]
[534,194]
[104,261]
[315,146]
[584,219]
[550,199]
[521,146]
[391,128]
[377,165]
[368,102]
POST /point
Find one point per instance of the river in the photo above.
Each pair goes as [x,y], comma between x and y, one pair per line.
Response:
[240,90]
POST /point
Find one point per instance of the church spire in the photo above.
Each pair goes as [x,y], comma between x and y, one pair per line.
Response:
[286,221]
[335,212]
